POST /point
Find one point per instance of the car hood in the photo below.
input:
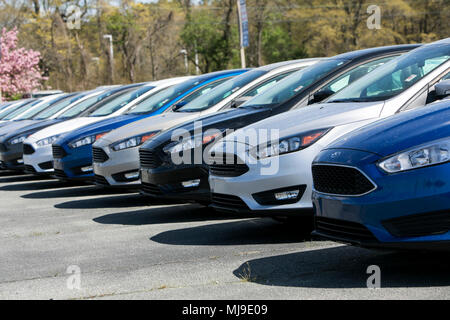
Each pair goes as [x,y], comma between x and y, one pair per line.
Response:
[29,127]
[15,125]
[98,127]
[156,123]
[230,119]
[318,116]
[62,127]
[400,132]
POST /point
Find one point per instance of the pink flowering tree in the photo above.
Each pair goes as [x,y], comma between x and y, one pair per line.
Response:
[19,70]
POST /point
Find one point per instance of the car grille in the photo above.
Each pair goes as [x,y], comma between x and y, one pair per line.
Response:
[58,152]
[228,202]
[419,225]
[342,229]
[46,165]
[2,165]
[28,149]
[100,180]
[228,166]
[149,159]
[340,180]
[29,169]
[151,189]
[99,155]
[60,174]
[3,147]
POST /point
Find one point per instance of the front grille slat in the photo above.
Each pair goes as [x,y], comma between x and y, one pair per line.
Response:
[100,180]
[60,174]
[151,189]
[342,229]
[29,169]
[99,155]
[228,201]
[418,225]
[340,180]
[226,165]
[149,159]
[58,152]
[28,149]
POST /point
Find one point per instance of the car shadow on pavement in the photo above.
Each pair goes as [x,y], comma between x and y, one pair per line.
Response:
[346,267]
[161,215]
[11,173]
[39,185]
[112,201]
[240,232]
[22,178]
[78,190]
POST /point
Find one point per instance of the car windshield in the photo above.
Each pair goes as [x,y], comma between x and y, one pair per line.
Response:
[84,105]
[43,106]
[160,99]
[21,110]
[395,76]
[221,92]
[120,101]
[18,106]
[293,84]
[57,107]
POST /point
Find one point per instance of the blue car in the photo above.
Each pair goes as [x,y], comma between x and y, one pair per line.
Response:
[72,153]
[387,185]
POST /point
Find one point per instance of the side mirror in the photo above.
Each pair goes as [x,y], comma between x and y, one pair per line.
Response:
[442,89]
[321,95]
[178,106]
[237,102]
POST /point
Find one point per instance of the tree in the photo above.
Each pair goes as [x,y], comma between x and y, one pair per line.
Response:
[19,68]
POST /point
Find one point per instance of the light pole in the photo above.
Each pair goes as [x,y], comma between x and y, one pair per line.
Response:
[111,54]
[186,65]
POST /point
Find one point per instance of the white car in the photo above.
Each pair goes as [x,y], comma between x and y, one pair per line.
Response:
[273,176]
[121,166]
[41,142]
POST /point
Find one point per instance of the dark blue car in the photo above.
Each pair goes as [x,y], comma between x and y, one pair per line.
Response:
[388,184]
[72,152]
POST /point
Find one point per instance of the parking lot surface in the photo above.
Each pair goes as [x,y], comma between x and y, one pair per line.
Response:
[75,241]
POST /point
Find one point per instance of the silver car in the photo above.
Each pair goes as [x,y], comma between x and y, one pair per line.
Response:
[116,156]
[273,176]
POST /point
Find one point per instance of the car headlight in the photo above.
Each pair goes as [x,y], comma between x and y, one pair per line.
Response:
[18,139]
[133,141]
[289,144]
[86,140]
[191,143]
[423,156]
[47,141]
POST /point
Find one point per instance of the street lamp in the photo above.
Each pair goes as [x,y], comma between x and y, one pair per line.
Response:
[186,65]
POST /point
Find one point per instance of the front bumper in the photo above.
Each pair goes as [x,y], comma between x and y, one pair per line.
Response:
[11,157]
[287,172]
[407,210]
[69,167]
[166,182]
[114,171]
[40,161]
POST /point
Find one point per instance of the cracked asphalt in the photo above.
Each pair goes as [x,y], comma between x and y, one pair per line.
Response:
[128,248]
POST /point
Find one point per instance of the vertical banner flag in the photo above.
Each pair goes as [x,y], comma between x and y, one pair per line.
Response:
[244,24]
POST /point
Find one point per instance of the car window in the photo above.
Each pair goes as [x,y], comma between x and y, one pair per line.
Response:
[82,106]
[21,110]
[203,90]
[395,76]
[221,92]
[294,84]
[120,102]
[355,73]
[57,107]
[260,88]
[19,106]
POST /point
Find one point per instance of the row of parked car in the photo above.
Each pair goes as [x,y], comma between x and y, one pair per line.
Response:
[359,141]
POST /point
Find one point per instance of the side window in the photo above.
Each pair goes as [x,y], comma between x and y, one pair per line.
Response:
[266,85]
[354,74]
[203,90]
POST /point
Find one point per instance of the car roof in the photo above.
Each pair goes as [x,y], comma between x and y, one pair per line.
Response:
[364,53]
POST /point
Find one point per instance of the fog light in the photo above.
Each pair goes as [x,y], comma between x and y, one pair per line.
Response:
[132,175]
[20,161]
[87,169]
[286,195]
[191,183]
